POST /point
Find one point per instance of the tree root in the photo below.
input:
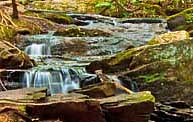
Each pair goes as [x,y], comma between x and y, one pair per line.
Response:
[103,78]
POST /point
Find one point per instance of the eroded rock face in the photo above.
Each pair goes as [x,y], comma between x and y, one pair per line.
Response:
[12,57]
[128,108]
[34,104]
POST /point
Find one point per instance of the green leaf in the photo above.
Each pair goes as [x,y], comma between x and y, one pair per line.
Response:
[103,4]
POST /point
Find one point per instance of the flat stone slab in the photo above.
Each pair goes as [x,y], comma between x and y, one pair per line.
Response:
[74,107]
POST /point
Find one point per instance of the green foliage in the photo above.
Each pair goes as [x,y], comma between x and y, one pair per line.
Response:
[103,4]
[152,77]
[6,33]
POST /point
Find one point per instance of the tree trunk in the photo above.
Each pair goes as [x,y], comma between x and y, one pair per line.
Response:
[15,11]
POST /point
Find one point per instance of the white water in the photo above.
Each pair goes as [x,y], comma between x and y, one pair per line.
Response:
[57,81]
[62,80]
[38,49]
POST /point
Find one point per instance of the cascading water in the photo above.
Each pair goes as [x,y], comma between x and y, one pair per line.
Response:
[60,74]
[38,49]
[57,81]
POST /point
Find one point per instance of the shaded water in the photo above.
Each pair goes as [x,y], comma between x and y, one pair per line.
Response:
[61,60]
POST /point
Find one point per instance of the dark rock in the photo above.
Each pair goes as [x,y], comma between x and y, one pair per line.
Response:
[177,104]
[177,21]
[181,21]
[59,18]
[89,80]
[97,65]
[167,113]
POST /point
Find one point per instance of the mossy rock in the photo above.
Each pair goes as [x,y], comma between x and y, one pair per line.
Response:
[53,16]
[169,37]
[175,56]
[75,31]
[58,18]
[180,20]
[7,33]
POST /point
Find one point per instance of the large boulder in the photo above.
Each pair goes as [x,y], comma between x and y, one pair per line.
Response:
[174,57]
[11,57]
[158,68]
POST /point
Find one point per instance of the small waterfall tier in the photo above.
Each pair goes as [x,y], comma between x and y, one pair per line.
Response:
[38,49]
[57,81]
[40,45]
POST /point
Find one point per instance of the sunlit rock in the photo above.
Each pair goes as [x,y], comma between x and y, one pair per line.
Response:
[33,104]
[169,37]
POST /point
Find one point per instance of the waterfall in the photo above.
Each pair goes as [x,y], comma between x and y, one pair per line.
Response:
[57,81]
[38,49]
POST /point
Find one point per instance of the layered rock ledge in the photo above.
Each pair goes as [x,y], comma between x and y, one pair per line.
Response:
[32,104]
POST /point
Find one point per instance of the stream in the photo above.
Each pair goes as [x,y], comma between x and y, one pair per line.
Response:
[61,57]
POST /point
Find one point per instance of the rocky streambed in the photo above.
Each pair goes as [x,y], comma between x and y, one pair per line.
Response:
[65,59]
